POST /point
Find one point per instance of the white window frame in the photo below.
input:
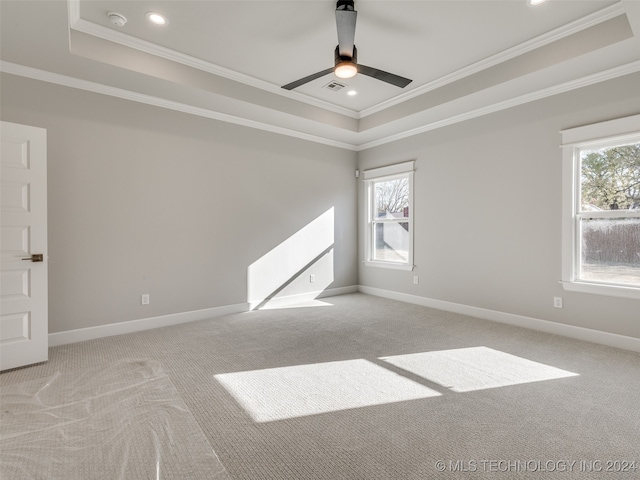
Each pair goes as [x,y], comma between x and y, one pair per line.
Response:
[371,177]
[599,135]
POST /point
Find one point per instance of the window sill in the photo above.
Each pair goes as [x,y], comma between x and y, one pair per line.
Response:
[601,289]
[393,266]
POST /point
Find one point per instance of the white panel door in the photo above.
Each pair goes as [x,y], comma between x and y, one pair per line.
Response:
[23,243]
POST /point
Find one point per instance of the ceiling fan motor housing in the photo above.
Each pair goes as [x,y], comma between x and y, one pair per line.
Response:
[345,5]
[338,59]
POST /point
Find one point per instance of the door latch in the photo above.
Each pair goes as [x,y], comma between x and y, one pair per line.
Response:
[36,257]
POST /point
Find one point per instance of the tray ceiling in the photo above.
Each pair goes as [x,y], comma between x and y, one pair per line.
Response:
[228,59]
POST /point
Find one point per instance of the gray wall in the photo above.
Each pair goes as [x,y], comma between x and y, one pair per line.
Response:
[146,200]
[488,210]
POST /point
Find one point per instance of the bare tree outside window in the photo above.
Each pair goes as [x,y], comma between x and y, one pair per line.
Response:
[392,198]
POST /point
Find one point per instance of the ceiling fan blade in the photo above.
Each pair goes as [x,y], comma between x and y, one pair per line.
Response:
[346,25]
[302,81]
[396,80]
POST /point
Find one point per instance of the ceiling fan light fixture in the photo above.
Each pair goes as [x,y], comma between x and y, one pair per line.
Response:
[346,69]
[346,66]
[533,3]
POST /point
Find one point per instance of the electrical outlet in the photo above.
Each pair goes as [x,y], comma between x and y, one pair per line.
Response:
[416,280]
[312,278]
[144,299]
[557,302]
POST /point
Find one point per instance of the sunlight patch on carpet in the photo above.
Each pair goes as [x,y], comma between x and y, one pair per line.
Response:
[302,390]
[475,368]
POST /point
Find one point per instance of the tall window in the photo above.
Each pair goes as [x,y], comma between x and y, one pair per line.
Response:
[601,233]
[389,229]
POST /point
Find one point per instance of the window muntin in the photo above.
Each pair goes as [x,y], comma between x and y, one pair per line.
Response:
[601,222]
[389,239]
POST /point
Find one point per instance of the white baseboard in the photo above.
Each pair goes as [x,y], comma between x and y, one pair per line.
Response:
[90,333]
[286,301]
[571,331]
[332,292]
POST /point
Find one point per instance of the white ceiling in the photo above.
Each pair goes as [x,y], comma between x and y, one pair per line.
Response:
[228,59]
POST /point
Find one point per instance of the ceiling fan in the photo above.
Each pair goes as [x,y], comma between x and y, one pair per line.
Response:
[346,53]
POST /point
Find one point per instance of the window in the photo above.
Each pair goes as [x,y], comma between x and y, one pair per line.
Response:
[389,216]
[601,208]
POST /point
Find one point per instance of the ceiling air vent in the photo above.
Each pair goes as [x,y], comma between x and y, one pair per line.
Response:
[335,86]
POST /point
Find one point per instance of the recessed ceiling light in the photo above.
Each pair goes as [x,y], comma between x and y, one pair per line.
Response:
[535,2]
[351,93]
[157,18]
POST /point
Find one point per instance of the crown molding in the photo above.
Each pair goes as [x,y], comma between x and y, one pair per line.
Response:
[592,79]
[66,81]
[49,77]
[562,32]
[84,26]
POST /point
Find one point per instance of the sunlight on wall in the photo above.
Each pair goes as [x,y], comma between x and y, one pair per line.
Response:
[301,390]
[285,270]
[475,368]
[290,296]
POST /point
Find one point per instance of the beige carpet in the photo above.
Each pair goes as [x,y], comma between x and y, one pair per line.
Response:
[359,387]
